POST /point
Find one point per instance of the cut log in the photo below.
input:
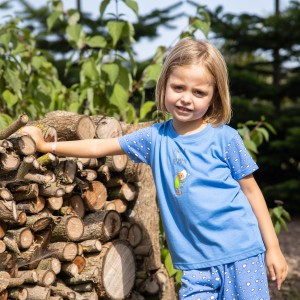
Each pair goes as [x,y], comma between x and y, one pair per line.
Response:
[54,203]
[95,196]
[56,298]
[22,236]
[64,251]
[88,174]
[48,159]
[89,274]
[107,127]
[4,280]
[118,205]
[13,127]
[143,250]
[74,205]
[116,163]
[3,228]
[4,295]
[91,246]
[90,295]
[126,192]
[24,167]
[23,144]
[46,177]
[8,263]
[51,190]
[49,132]
[70,126]
[102,225]
[5,194]
[70,228]
[45,277]
[135,235]
[134,172]
[38,292]
[84,287]
[50,263]
[28,276]
[70,269]
[16,282]
[62,290]
[117,264]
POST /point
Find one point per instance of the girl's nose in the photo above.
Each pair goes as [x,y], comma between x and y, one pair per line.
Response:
[185,99]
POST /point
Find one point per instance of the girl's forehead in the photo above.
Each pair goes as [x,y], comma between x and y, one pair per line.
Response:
[197,71]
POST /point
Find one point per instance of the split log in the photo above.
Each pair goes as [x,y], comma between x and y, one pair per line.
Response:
[115,256]
[8,263]
[9,161]
[33,206]
[126,192]
[13,127]
[102,225]
[37,292]
[2,246]
[8,211]
[5,194]
[80,262]
[39,222]
[24,192]
[64,251]
[70,228]
[18,293]
[50,263]
[95,196]
[70,126]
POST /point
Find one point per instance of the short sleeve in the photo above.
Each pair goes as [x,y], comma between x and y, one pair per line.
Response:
[137,145]
[238,158]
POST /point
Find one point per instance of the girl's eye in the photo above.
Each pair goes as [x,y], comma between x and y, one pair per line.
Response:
[199,93]
[177,88]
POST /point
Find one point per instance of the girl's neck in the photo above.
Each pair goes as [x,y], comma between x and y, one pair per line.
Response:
[189,128]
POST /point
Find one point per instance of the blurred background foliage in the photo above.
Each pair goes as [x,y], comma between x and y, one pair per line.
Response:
[57,59]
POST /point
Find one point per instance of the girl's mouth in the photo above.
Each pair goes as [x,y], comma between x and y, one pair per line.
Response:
[183,109]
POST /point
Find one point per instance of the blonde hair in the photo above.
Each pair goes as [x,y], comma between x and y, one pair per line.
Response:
[189,52]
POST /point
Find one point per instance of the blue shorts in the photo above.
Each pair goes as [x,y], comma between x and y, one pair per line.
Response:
[242,280]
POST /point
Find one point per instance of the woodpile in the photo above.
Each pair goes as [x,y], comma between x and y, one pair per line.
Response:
[77,228]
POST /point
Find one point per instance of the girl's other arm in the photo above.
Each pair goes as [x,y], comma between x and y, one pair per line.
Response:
[80,148]
[275,260]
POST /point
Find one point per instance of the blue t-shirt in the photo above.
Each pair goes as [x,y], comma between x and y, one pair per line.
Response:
[207,218]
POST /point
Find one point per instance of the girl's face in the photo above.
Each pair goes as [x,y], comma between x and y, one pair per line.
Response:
[189,93]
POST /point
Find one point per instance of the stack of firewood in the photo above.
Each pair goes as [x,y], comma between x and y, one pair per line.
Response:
[76,228]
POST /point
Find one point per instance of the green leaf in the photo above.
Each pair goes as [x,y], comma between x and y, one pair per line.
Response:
[283,224]
[277,228]
[250,145]
[115,29]
[38,61]
[270,127]
[132,5]
[169,265]
[103,6]
[51,20]
[151,74]
[90,98]
[9,98]
[178,276]
[89,70]
[201,25]
[5,120]
[264,133]
[5,39]
[12,78]
[244,132]
[286,215]
[130,113]
[119,97]
[146,108]
[74,107]
[73,17]
[96,41]
[75,34]
[112,71]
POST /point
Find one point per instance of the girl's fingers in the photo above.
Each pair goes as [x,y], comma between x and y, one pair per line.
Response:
[272,272]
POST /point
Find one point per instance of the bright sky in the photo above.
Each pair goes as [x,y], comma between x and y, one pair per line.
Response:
[145,48]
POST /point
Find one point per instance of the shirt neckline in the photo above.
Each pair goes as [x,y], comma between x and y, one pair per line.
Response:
[189,137]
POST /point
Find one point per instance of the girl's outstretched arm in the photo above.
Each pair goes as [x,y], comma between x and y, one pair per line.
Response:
[275,260]
[80,148]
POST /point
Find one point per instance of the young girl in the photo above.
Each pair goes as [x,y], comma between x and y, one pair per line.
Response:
[215,218]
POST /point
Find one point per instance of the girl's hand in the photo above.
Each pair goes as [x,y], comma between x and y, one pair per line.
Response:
[36,134]
[277,266]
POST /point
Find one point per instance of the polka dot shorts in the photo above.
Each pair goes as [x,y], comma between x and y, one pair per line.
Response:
[241,280]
